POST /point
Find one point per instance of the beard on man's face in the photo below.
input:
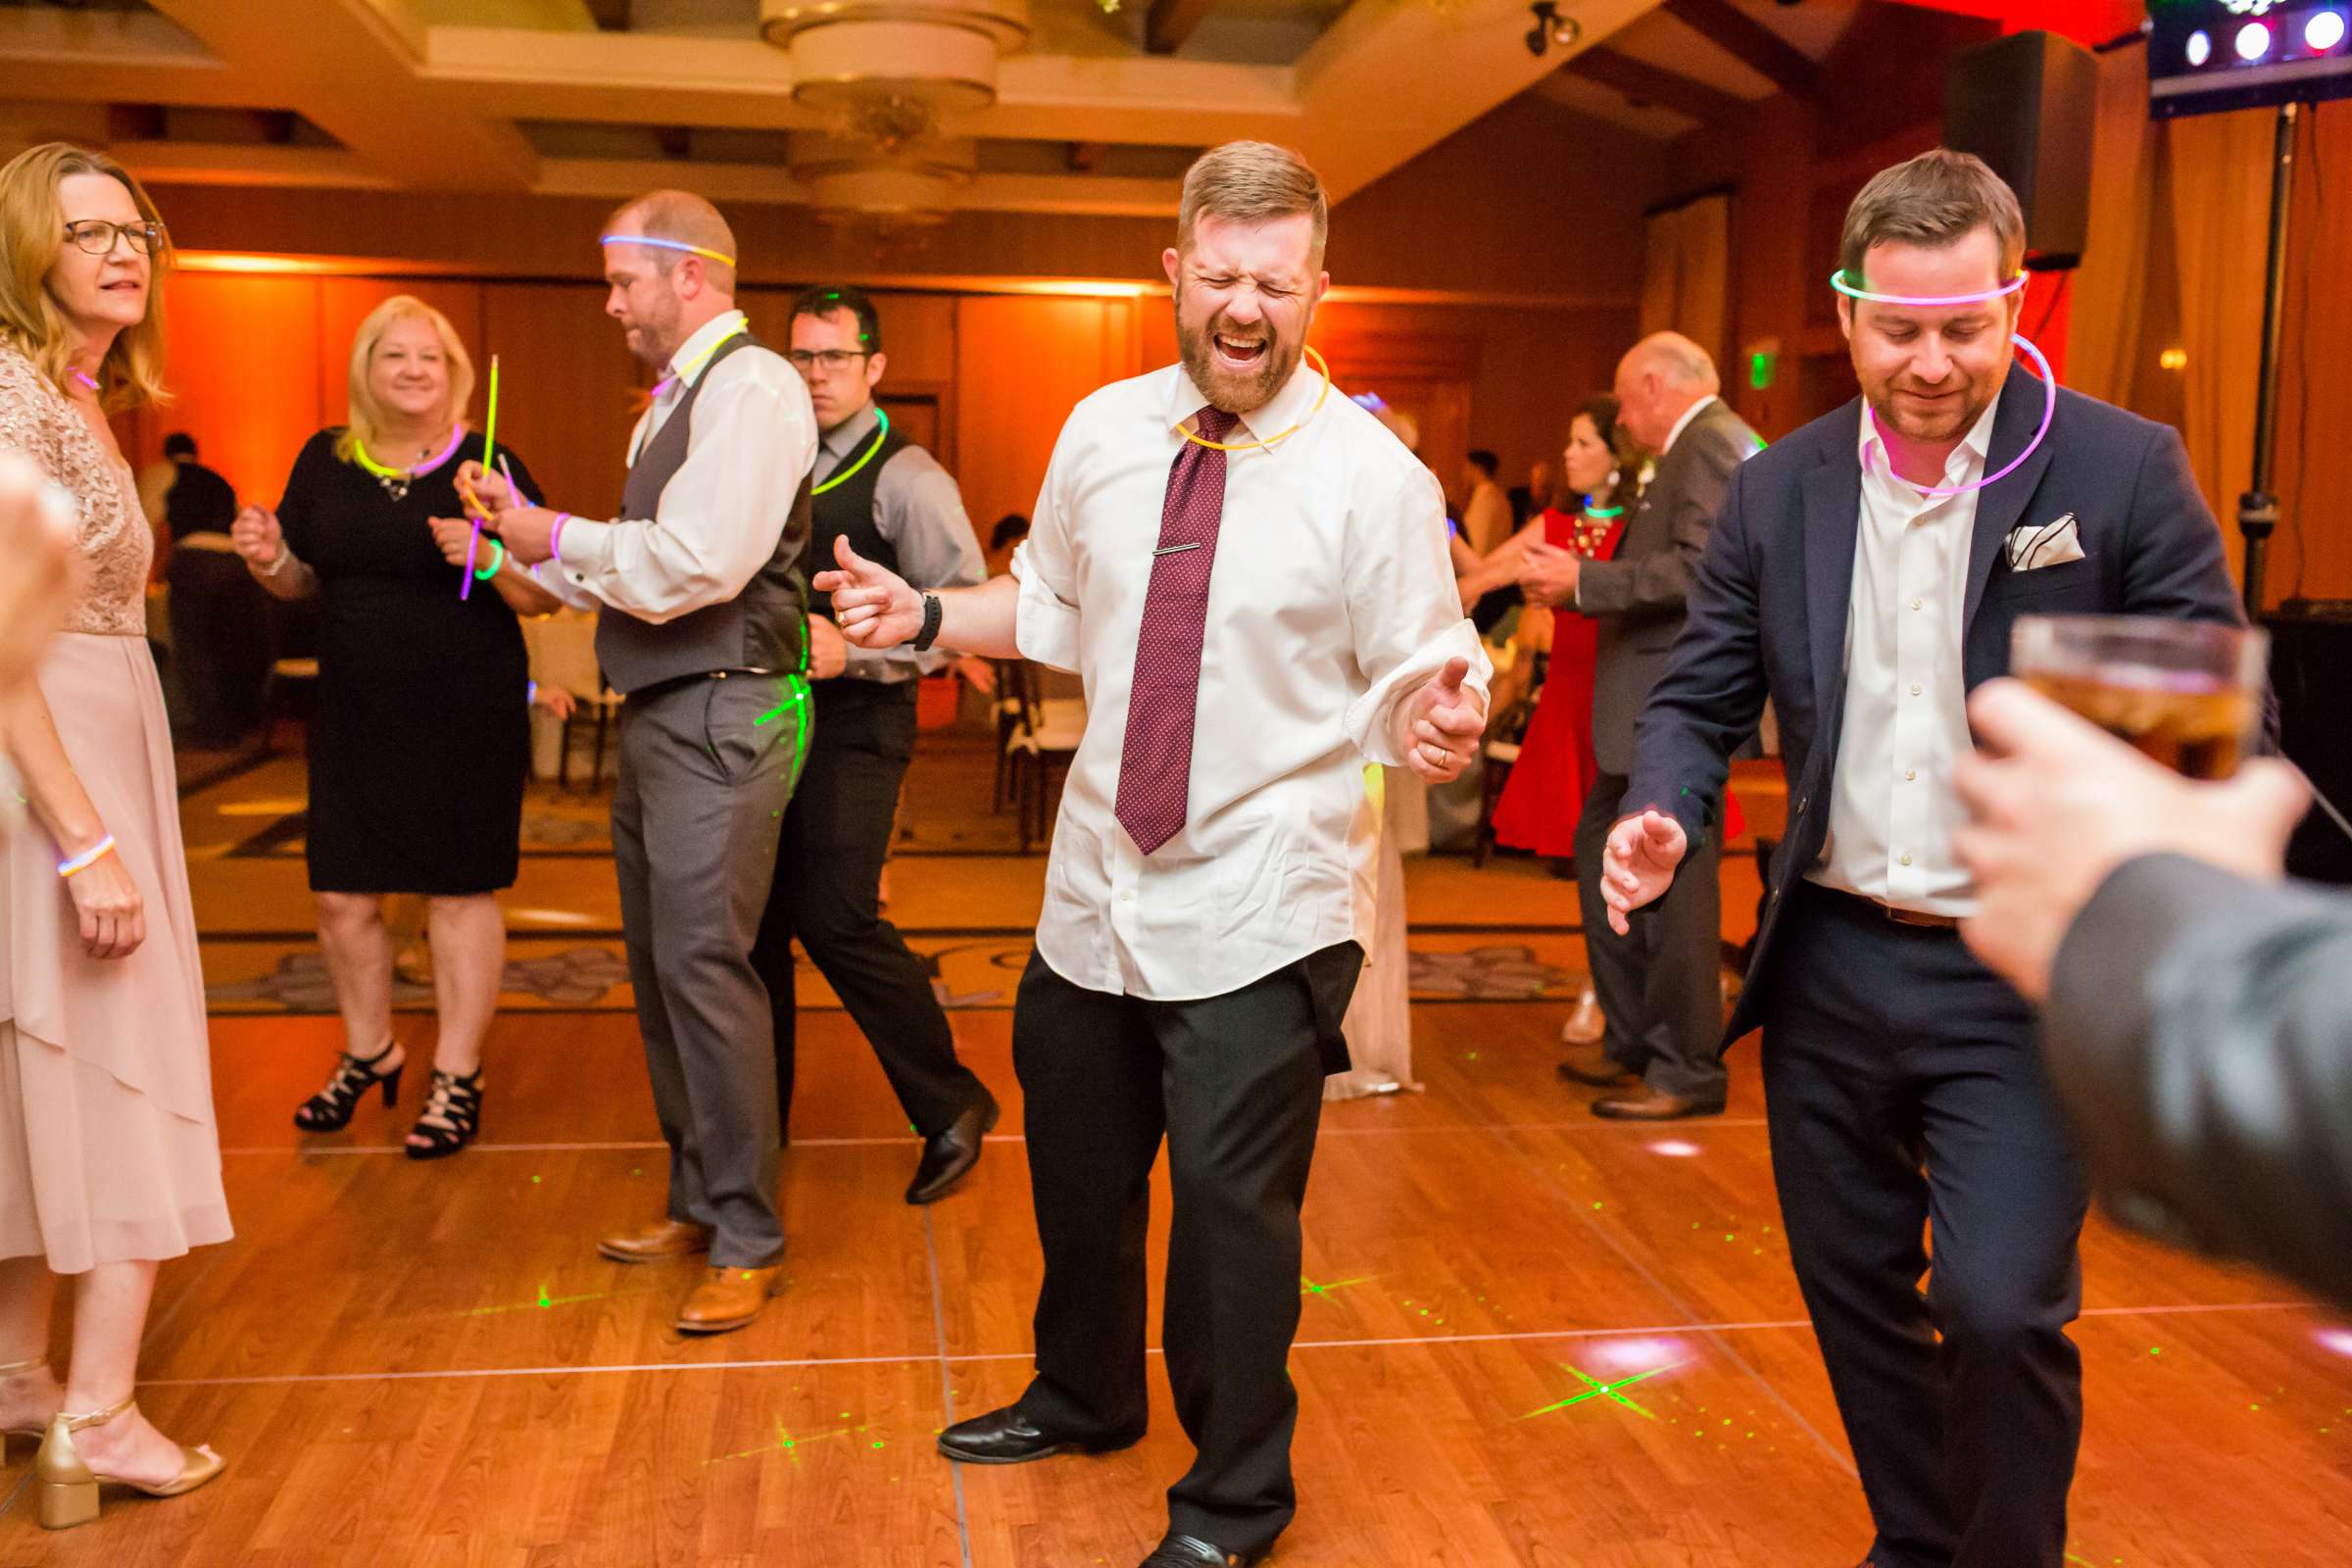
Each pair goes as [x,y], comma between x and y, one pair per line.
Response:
[1933,415]
[1256,361]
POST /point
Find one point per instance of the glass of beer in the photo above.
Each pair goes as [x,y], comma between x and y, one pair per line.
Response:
[2187,692]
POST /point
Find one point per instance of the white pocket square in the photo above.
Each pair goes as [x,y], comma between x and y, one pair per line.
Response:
[2034,545]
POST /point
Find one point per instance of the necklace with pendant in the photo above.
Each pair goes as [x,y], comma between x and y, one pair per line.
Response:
[396,481]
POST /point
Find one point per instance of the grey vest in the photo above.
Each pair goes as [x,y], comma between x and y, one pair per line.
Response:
[762,627]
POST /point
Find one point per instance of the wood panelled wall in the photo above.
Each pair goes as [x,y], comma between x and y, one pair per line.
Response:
[258,361]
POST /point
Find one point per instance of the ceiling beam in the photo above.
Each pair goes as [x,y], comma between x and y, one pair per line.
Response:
[1751,42]
[1170,23]
[1646,84]
[1384,83]
[354,69]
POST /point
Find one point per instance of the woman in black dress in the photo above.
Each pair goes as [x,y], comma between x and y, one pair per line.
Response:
[421,740]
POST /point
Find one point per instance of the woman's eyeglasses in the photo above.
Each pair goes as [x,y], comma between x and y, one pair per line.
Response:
[97,236]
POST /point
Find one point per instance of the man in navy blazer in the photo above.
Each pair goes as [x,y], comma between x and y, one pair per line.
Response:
[1864,578]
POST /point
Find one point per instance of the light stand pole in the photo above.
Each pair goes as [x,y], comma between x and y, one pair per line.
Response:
[2258,507]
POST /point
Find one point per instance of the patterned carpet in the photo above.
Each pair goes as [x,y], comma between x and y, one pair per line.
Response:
[962,893]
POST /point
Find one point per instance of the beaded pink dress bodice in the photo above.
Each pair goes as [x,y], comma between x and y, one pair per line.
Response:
[117,546]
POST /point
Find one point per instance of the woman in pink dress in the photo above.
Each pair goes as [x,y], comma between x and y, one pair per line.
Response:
[110,1159]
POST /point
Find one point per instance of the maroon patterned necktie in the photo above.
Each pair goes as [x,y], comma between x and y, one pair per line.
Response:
[1155,763]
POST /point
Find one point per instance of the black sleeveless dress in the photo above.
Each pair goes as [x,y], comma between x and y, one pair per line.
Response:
[421,739]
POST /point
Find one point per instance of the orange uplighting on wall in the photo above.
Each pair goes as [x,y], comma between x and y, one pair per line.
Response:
[261,263]
[2174,359]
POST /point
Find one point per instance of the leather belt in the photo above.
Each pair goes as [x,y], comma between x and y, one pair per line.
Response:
[1918,920]
[672,683]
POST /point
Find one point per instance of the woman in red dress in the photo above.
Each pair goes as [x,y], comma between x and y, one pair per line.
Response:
[1546,790]
[1539,808]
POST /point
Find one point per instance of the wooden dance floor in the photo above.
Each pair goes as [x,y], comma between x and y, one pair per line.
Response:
[1528,1339]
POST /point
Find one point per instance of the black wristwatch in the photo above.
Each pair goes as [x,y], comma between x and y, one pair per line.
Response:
[932,612]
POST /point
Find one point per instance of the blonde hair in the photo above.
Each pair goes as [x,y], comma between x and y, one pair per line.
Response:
[32,234]
[366,420]
[1252,183]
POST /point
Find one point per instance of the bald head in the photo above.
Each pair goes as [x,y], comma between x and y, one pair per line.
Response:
[1658,381]
[664,292]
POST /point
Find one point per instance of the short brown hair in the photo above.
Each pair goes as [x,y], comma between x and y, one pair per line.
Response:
[1252,183]
[32,228]
[1936,199]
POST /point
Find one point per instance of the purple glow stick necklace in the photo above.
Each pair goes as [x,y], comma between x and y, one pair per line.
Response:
[2049,382]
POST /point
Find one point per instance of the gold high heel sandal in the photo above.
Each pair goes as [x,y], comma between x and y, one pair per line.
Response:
[69,1487]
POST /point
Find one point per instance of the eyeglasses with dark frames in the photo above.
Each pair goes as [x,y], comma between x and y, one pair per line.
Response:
[830,360]
[97,236]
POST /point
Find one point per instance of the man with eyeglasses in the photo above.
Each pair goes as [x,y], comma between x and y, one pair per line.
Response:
[893,502]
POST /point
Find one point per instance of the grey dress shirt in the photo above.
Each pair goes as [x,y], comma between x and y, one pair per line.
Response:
[920,512]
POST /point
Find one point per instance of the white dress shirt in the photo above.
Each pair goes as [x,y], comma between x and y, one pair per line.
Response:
[1330,600]
[1683,424]
[720,518]
[1892,812]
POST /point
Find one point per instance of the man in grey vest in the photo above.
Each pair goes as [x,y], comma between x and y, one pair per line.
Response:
[703,628]
[897,506]
[1660,989]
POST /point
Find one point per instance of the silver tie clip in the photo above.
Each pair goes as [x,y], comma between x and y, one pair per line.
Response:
[1169,550]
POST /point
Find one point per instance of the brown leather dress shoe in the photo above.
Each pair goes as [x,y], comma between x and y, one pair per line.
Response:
[1596,1067]
[728,1299]
[650,1244]
[1649,1106]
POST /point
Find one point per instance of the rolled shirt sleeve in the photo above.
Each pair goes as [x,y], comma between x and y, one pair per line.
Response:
[753,443]
[1044,623]
[1403,614]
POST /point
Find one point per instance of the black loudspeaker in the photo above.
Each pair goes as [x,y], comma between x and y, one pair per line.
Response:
[2310,668]
[2026,105]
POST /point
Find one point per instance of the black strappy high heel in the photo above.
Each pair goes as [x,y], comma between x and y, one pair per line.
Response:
[330,1110]
[457,1102]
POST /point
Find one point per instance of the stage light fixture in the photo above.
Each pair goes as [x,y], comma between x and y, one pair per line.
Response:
[2201,47]
[2324,32]
[2253,40]
[1550,27]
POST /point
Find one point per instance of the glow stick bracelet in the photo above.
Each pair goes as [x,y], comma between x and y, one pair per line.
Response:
[87,857]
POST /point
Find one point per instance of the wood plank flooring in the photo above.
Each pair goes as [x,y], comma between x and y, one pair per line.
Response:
[427,1364]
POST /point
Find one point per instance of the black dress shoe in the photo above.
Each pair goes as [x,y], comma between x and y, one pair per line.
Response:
[948,1154]
[1190,1551]
[1648,1106]
[1007,1436]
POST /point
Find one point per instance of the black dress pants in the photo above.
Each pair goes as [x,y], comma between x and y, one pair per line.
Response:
[1235,1084]
[1660,988]
[827,893]
[1906,1097]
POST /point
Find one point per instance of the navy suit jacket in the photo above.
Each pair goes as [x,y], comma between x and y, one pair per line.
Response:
[1767,611]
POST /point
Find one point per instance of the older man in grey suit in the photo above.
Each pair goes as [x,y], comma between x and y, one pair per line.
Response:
[1659,990]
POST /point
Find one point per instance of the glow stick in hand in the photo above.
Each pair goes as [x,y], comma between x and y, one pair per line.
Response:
[473,545]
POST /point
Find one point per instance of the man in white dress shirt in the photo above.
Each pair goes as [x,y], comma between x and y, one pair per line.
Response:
[1198,943]
[701,627]
[1863,578]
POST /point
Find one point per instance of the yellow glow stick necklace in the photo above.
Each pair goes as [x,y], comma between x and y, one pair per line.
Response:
[1251,446]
